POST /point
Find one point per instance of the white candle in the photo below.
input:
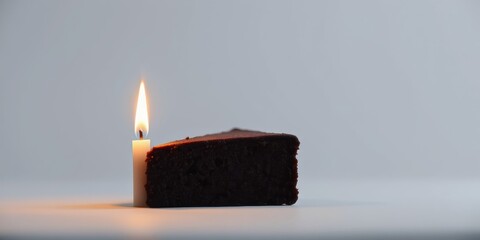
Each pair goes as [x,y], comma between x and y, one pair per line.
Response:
[140,149]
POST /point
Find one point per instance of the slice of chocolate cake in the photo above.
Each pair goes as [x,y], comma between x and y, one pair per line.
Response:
[232,168]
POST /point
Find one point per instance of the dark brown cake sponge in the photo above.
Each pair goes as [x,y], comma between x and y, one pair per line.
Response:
[234,168]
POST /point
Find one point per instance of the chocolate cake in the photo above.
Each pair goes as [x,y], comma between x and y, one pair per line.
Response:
[234,168]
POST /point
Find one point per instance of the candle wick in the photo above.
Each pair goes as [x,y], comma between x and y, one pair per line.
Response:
[140,134]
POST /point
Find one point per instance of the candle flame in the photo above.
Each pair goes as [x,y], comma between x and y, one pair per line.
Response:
[141,116]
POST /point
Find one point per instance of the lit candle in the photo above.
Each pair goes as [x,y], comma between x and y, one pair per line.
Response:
[140,148]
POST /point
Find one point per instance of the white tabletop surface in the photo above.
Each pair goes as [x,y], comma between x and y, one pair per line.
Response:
[326,209]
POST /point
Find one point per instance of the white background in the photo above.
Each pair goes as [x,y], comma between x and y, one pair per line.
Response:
[373,89]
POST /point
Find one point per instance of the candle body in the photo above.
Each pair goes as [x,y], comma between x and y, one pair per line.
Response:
[140,149]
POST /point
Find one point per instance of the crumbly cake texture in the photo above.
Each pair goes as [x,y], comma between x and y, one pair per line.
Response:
[234,168]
